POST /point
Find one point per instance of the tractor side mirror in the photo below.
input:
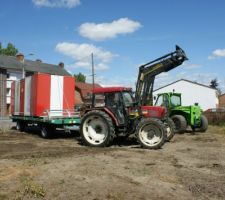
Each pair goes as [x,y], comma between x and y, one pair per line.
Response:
[154,97]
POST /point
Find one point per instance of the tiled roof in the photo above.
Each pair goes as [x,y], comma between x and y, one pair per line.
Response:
[10,62]
[85,88]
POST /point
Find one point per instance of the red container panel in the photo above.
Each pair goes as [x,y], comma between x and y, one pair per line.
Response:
[40,98]
[68,96]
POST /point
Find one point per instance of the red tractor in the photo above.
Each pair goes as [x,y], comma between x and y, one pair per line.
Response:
[114,112]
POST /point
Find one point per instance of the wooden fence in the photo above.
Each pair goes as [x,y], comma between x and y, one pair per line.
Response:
[217,117]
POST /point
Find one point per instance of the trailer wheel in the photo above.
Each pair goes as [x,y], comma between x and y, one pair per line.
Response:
[47,131]
[151,133]
[20,126]
[170,129]
[180,123]
[97,129]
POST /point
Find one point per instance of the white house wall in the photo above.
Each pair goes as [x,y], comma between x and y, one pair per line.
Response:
[192,93]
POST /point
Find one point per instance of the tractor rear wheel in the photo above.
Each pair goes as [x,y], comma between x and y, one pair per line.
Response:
[180,123]
[151,133]
[97,129]
[170,129]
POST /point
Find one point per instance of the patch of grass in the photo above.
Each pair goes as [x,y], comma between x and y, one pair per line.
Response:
[30,189]
[33,161]
[113,196]
[223,130]
[3,197]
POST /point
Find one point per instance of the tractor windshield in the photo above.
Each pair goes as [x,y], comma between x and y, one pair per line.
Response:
[128,99]
[175,101]
[159,101]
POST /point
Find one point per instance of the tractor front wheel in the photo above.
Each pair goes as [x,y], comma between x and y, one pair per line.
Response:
[180,123]
[97,129]
[151,133]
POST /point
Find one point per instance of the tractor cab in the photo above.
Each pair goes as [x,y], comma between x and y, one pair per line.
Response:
[168,100]
[118,102]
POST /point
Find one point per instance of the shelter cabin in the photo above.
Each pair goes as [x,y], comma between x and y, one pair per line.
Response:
[16,67]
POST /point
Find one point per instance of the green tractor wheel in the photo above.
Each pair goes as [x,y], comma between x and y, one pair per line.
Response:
[204,125]
[180,123]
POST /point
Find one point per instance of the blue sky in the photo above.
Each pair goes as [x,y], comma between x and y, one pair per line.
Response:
[121,34]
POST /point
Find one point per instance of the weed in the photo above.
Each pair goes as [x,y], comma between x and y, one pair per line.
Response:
[33,161]
[30,189]
[62,181]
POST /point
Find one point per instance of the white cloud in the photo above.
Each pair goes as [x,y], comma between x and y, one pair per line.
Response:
[163,75]
[81,53]
[56,3]
[103,31]
[191,66]
[217,54]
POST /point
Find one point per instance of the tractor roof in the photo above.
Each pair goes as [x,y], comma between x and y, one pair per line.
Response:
[111,89]
[170,93]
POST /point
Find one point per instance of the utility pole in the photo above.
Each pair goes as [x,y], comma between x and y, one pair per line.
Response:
[93,79]
[93,72]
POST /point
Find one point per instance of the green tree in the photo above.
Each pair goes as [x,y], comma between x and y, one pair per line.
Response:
[214,84]
[10,50]
[80,77]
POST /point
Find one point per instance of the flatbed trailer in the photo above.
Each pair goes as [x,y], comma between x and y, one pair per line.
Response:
[47,124]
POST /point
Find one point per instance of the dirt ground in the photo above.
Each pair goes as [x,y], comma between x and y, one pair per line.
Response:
[191,166]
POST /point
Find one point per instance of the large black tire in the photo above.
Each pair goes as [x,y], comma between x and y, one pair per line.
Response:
[151,133]
[180,123]
[47,131]
[204,124]
[97,129]
[170,129]
[20,126]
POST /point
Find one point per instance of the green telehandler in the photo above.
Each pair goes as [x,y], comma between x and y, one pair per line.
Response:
[182,116]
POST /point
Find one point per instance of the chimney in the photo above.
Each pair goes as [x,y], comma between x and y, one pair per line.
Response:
[61,64]
[20,57]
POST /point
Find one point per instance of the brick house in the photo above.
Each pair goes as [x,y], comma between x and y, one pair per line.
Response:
[222,101]
[83,92]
